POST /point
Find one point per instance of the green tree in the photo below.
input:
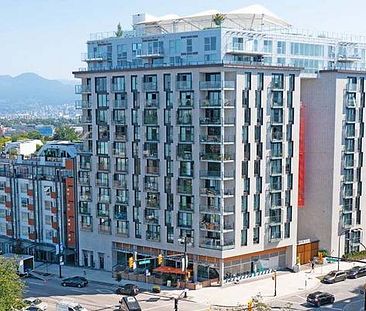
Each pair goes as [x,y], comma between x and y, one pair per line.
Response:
[119,31]
[218,18]
[65,132]
[11,287]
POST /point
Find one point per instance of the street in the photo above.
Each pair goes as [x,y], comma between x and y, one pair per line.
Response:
[347,297]
[97,296]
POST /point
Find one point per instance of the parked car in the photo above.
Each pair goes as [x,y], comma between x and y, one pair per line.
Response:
[356,272]
[36,303]
[69,306]
[32,308]
[127,289]
[75,281]
[334,277]
[318,299]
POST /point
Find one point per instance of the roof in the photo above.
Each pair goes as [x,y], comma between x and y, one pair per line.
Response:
[249,17]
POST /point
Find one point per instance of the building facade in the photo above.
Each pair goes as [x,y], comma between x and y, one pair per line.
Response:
[205,149]
[37,203]
[334,142]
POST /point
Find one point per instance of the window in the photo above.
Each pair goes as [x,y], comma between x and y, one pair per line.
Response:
[210,44]
[256,235]
[244,237]
[184,219]
[189,45]
[267,46]
[170,234]
[101,84]
[281,47]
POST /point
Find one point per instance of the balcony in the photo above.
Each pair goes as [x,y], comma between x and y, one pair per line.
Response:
[210,226]
[152,53]
[122,199]
[84,210]
[151,120]
[102,213]
[216,85]
[55,240]
[120,104]
[8,218]
[184,120]
[211,121]
[54,210]
[153,203]
[102,182]
[217,157]
[210,174]
[95,57]
[120,136]
[186,206]
[213,139]
[153,236]
[121,184]
[210,103]
[82,104]
[150,154]
[152,103]
[86,226]
[123,232]
[30,207]
[118,88]
[85,197]
[31,222]
[184,189]
[84,181]
[275,219]
[185,103]
[153,170]
[32,236]
[184,156]
[121,169]
[151,219]
[7,190]
[183,85]
[9,232]
[276,136]
[121,120]
[86,120]
[82,88]
[149,86]
[351,87]
[212,243]
[8,204]
[277,84]
[104,229]
[54,225]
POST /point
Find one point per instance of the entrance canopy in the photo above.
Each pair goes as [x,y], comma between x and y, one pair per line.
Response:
[168,270]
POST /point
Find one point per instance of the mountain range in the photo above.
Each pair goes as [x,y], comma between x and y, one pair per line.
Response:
[29,89]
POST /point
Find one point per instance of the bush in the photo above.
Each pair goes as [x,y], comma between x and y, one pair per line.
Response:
[324,252]
[355,255]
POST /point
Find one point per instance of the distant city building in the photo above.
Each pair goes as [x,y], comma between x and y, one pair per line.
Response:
[46,130]
[22,147]
[37,204]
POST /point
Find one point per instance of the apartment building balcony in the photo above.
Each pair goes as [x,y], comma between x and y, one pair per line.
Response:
[30,207]
[120,104]
[85,197]
[120,136]
[8,218]
[121,184]
[186,138]
[348,58]
[118,88]
[152,138]
[276,136]
[102,213]
[84,210]
[54,225]
[32,236]
[210,156]
[210,139]
[31,222]
[151,219]
[102,182]
[121,169]
[216,85]
[185,120]
[350,102]
[213,243]
[9,232]
[54,210]
[121,199]
[150,154]
[275,219]
[95,57]
[185,103]
[82,88]
[82,104]
[211,192]
[119,153]
[148,187]
[151,54]
[210,174]
[152,203]
[351,87]
[119,120]
[210,226]
[123,231]
[348,164]
[184,156]
[277,84]
[186,206]
[211,121]
[152,236]
[152,103]
[149,86]
[86,119]
[85,166]
[183,85]
[153,170]
[55,240]
[151,120]
[84,181]
[7,190]
[104,229]
[184,189]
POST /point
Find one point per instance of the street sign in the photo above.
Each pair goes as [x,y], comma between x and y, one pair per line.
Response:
[144,262]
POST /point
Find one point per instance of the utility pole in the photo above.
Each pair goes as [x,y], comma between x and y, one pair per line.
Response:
[274,278]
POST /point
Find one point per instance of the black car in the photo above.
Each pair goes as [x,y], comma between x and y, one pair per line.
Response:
[334,277]
[127,289]
[356,272]
[318,299]
[75,281]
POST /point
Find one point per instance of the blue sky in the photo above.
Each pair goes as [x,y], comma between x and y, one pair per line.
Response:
[48,36]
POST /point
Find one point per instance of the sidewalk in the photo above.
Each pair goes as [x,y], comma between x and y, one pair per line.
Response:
[230,295]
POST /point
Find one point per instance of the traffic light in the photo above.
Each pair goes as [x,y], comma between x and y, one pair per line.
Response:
[160,259]
[130,262]
[250,305]
[274,276]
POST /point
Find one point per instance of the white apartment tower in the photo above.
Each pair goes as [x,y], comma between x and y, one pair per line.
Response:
[189,134]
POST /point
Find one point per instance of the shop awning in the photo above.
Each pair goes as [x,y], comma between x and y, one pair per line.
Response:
[169,270]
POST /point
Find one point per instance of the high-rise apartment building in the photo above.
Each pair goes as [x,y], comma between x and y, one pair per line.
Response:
[333,212]
[37,203]
[191,132]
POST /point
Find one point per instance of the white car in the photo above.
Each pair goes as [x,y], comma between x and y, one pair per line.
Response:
[36,303]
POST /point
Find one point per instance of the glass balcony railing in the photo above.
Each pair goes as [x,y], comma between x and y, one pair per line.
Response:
[185,103]
[149,86]
[152,103]
[153,236]
[183,189]
[82,88]
[183,85]
[82,104]
[120,103]
[118,88]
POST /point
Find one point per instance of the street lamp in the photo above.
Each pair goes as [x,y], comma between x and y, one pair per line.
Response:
[184,240]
